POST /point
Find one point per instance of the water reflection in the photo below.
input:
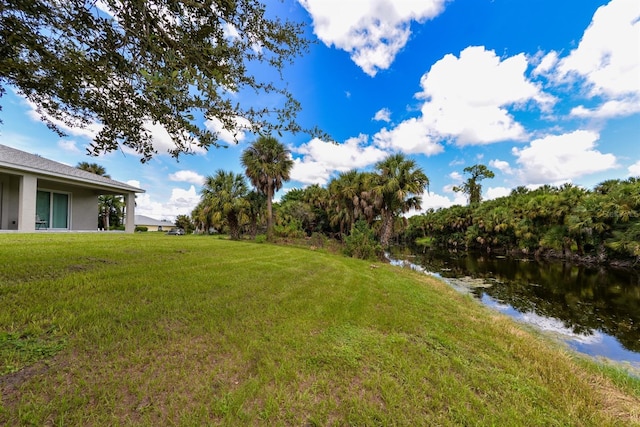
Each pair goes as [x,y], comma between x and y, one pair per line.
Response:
[596,310]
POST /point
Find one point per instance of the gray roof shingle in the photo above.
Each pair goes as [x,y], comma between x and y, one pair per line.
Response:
[21,160]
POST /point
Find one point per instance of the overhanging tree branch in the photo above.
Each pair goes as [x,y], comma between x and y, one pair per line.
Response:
[154,61]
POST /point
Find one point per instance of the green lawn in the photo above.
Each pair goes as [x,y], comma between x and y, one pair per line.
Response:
[147,329]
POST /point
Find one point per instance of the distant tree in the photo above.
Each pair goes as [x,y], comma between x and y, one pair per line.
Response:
[93,168]
[351,198]
[126,63]
[472,187]
[267,164]
[224,197]
[202,217]
[110,211]
[184,222]
[256,208]
[398,188]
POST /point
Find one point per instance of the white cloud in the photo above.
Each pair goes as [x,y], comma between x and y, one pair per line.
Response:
[148,207]
[310,172]
[160,138]
[104,7]
[467,98]
[411,136]
[87,131]
[230,31]
[546,64]
[501,165]
[69,146]
[607,56]
[467,101]
[496,192]
[187,176]
[181,202]
[230,136]
[609,109]
[383,115]
[162,141]
[561,158]
[371,31]
[456,176]
[634,169]
[607,61]
[320,158]
[435,201]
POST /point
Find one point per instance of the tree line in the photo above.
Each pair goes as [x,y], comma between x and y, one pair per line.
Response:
[377,198]
[367,208]
[567,221]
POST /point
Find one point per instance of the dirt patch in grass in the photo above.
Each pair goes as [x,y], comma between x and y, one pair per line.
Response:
[11,383]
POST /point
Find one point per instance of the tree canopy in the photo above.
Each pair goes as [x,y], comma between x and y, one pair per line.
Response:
[224,200]
[472,187]
[268,165]
[93,168]
[559,221]
[126,64]
[399,187]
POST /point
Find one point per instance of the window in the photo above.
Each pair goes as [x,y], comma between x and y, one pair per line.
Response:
[52,209]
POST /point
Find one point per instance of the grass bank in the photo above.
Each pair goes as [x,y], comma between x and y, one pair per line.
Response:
[114,329]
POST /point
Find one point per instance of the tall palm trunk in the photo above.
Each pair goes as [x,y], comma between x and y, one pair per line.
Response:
[106,218]
[269,213]
[386,230]
[234,227]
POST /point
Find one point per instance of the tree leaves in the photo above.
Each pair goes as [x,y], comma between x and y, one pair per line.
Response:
[130,63]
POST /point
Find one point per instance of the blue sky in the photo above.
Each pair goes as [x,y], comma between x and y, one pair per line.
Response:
[541,92]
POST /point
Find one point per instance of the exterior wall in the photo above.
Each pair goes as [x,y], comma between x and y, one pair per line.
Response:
[18,203]
[130,212]
[155,227]
[27,203]
[9,203]
[83,214]
[84,210]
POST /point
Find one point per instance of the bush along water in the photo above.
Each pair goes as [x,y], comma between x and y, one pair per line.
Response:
[594,226]
[362,243]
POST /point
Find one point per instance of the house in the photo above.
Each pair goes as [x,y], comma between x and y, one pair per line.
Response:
[153,224]
[40,194]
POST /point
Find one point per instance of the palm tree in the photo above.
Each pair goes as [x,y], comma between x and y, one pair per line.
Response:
[224,197]
[201,216]
[400,184]
[267,164]
[93,168]
[110,210]
[344,191]
[255,210]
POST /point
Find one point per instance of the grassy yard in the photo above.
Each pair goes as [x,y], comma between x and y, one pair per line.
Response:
[148,329]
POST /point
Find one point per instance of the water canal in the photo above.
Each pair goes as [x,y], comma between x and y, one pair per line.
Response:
[595,310]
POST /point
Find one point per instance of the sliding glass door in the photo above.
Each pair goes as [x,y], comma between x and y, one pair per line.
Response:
[52,210]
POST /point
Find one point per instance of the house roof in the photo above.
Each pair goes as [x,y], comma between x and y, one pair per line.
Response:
[145,220]
[12,158]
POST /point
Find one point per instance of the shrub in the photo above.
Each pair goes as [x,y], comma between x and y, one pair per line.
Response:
[141,228]
[261,238]
[318,240]
[292,229]
[362,243]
